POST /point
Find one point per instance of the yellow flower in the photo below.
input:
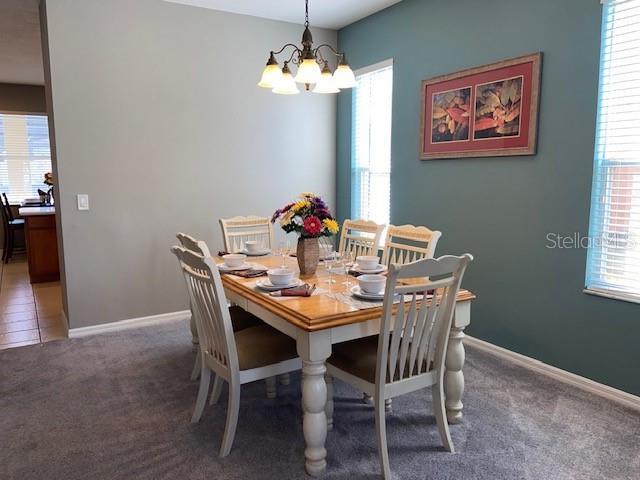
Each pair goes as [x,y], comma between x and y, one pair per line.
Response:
[300,205]
[286,218]
[331,225]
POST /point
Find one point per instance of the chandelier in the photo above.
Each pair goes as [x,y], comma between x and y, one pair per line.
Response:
[313,68]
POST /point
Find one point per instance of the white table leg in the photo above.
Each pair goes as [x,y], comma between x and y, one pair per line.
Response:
[314,348]
[454,363]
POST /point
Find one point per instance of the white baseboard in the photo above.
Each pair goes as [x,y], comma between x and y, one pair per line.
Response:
[130,323]
[604,391]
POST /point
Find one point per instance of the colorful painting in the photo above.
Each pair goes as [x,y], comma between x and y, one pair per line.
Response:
[480,112]
[497,110]
[450,115]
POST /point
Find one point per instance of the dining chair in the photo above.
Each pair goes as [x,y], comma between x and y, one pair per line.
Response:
[240,357]
[360,237]
[409,352]
[237,230]
[407,243]
[240,318]
[11,226]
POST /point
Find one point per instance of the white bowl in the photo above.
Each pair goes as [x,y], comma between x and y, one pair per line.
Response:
[367,262]
[233,260]
[372,283]
[280,276]
[251,246]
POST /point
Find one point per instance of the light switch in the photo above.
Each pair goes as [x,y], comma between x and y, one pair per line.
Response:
[83,201]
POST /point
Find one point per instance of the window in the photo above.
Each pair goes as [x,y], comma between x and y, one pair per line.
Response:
[371,143]
[24,155]
[613,262]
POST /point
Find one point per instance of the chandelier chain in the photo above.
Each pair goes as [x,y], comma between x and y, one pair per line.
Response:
[306,13]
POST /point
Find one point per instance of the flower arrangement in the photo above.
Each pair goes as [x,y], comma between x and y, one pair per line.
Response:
[309,217]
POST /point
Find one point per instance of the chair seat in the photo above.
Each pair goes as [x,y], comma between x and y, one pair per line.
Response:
[359,358]
[241,319]
[262,346]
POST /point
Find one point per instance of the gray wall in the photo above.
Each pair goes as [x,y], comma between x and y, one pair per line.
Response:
[158,118]
[530,298]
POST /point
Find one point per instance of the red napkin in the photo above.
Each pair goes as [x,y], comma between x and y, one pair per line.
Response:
[304,290]
[250,273]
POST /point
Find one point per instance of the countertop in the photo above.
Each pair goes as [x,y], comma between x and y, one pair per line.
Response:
[30,211]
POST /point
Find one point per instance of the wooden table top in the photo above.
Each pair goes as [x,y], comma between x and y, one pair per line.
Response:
[313,313]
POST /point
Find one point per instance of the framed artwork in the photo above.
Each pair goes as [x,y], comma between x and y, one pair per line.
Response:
[486,111]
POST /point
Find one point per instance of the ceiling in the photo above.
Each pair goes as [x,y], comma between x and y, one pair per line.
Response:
[20,49]
[333,14]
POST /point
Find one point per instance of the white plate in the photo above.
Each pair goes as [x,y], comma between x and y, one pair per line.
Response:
[245,266]
[266,285]
[378,269]
[356,291]
[257,253]
[224,268]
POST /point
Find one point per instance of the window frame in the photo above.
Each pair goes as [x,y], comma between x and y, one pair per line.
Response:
[34,153]
[358,72]
[597,225]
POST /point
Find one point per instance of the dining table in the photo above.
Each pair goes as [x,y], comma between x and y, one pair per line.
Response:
[330,316]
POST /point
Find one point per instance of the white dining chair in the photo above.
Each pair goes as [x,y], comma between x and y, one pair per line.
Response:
[240,357]
[240,318]
[360,237]
[237,230]
[409,353]
[407,243]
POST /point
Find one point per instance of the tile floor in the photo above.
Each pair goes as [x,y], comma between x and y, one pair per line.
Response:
[29,314]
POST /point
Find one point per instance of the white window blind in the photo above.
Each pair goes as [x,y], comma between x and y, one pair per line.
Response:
[613,262]
[371,144]
[24,155]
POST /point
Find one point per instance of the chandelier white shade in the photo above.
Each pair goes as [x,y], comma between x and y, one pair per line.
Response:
[287,84]
[308,71]
[308,60]
[344,77]
[327,83]
[271,76]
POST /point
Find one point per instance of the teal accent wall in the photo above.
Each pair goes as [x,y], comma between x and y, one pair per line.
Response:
[501,209]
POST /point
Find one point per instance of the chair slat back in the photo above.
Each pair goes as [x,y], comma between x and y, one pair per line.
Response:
[238,230]
[213,321]
[360,237]
[193,244]
[7,214]
[413,340]
[407,243]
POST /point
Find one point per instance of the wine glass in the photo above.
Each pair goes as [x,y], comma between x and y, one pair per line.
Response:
[348,261]
[328,265]
[283,251]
